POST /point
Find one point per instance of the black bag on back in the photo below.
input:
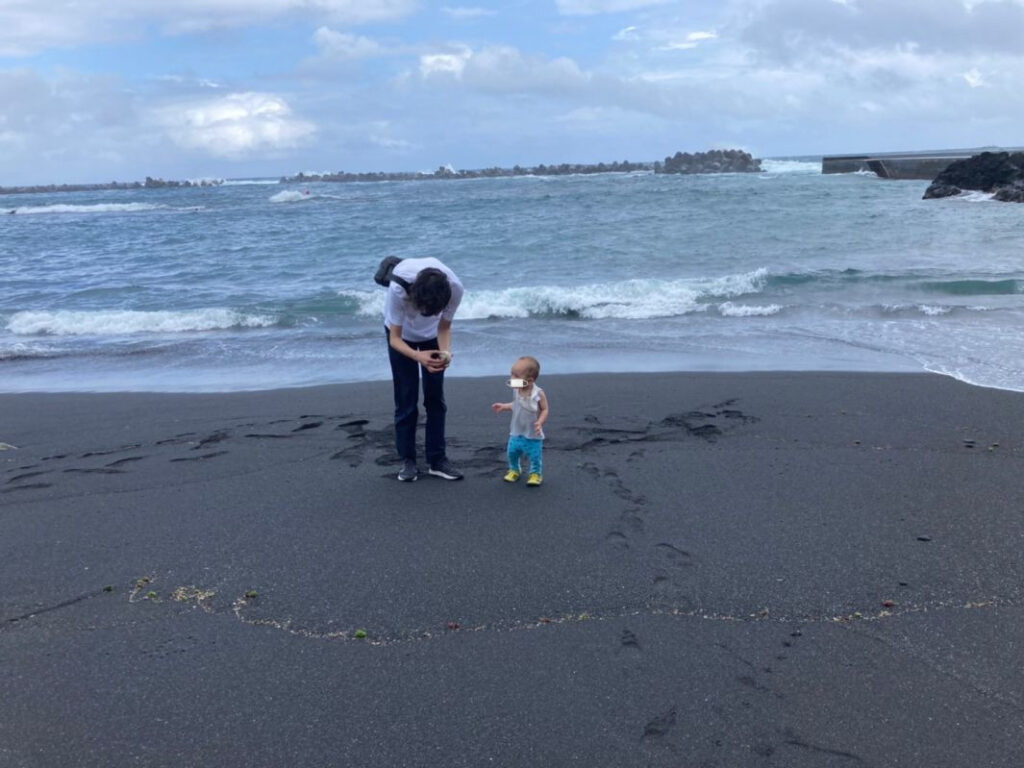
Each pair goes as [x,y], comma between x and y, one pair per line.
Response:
[385,273]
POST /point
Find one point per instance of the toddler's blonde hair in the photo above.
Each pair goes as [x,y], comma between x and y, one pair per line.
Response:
[533,366]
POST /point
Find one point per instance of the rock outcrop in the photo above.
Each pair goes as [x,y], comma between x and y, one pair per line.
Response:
[714,161]
[1001,173]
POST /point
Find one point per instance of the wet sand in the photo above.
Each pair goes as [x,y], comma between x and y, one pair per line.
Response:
[807,569]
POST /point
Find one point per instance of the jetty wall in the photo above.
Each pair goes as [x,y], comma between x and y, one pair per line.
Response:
[903,165]
[910,165]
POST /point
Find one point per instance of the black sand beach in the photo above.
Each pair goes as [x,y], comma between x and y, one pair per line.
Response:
[720,570]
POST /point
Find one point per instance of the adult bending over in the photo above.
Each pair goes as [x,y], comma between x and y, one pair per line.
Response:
[419,331]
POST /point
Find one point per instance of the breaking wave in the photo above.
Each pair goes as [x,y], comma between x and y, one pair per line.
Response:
[729,309]
[249,182]
[122,322]
[95,208]
[973,196]
[625,300]
[791,166]
[291,196]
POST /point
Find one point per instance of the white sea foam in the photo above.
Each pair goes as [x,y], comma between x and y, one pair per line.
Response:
[974,196]
[20,350]
[95,208]
[121,322]
[624,300]
[791,166]
[729,309]
[630,299]
[290,196]
[930,310]
[249,182]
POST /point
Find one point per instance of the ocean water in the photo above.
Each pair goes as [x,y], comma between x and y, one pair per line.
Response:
[255,284]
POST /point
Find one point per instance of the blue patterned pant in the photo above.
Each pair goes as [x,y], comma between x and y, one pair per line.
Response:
[531,448]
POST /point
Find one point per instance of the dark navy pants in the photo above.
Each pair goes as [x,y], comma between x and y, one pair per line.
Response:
[405,374]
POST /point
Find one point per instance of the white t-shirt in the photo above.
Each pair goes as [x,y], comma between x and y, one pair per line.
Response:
[399,310]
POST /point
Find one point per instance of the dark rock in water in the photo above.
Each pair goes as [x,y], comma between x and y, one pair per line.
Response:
[714,161]
[998,172]
[1011,193]
[941,190]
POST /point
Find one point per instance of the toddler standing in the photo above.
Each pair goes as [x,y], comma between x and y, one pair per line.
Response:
[529,409]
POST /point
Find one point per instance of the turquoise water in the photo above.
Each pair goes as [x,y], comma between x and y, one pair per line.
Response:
[253,285]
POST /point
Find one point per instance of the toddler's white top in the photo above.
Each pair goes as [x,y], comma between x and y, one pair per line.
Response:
[525,410]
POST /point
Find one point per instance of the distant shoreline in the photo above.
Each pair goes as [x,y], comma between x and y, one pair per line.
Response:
[443,172]
[713,161]
[149,183]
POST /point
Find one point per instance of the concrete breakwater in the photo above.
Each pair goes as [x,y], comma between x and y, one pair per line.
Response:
[901,165]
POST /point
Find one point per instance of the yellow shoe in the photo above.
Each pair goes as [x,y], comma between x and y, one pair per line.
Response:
[511,476]
[534,479]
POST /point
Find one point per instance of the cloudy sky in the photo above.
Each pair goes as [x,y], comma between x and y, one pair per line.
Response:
[97,90]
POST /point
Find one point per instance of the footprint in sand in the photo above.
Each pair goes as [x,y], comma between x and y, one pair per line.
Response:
[617,540]
[27,475]
[660,725]
[673,576]
[629,649]
[628,652]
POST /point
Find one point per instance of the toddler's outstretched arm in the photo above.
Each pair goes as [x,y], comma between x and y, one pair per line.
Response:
[499,407]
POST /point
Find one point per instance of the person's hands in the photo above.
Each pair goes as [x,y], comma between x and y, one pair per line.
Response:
[497,407]
[434,360]
[425,357]
[538,428]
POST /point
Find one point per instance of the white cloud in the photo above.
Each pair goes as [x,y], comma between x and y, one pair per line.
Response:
[235,125]
[67,127]
[341,45]
[593,7]
[30,26]
[445,63]
[664,75]
[186,16]
[185,81]
[502,68]
[387,142]
[461,13]
[974,78]
[27,27]
[665,36]
[792,29]
[36,108]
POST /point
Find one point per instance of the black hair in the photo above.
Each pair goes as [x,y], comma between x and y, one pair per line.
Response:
[430,292]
